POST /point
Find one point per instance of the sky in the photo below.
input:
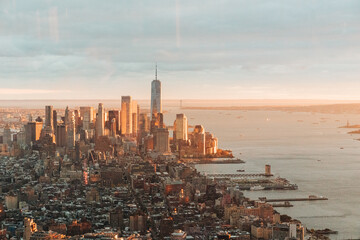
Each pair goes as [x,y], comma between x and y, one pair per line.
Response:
[211,49]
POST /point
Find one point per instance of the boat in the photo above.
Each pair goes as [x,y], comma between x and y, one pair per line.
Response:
[240,170]
[257,188]
[290,187]
[316,197]
[326,231]
[285,204]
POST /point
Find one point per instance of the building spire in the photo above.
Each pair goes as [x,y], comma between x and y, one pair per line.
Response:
[156,71]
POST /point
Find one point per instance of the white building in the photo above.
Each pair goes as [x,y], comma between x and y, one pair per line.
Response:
[181,127]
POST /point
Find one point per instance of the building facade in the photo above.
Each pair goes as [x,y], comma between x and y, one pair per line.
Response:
[126,115]
[100,121]
[181,127]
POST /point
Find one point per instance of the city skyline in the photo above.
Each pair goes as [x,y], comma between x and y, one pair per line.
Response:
[179,120]
[258,50]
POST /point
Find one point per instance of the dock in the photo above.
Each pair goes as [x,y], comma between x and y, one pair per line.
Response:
[310,198]
[238,175]
[218,161]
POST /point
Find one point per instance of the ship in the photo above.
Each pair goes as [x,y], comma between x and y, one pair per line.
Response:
[285,204]
[290,187]
[257,188]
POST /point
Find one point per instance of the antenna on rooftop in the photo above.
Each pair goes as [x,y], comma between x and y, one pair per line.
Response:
[156,71]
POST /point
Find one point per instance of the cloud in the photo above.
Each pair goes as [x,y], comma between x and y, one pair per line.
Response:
[177,24]
[54,24]
[108,48]
[18,91]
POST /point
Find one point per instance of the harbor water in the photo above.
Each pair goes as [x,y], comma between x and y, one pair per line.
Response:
[308,149]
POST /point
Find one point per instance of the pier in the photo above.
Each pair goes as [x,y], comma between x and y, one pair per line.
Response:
[242,175]
[216,161]
[238,175]
[310,198]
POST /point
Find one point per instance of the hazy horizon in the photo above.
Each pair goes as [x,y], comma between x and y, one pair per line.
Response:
[223,49]
[169,103]
[191,99]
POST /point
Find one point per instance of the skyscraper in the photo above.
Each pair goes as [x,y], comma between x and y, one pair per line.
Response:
[126,115]
[61,135]
[49,117]
[32,132]
[199,139]
[135,117]
[113,129]
[211,143]
[66,116]
[7,135]
[77,119]
[87,114]
[161,140]
[70,129]
[48,129]
[54,121]
[181,127]
[155,95]
[100,121]
[144,125]
[114,114]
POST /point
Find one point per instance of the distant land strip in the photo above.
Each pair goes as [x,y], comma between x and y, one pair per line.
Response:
[353,108]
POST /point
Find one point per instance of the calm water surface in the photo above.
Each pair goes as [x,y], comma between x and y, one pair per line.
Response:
[305,148]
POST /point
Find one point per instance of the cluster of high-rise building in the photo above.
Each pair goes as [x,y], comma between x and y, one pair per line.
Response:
[85,124]
[74,131]
[197,143]
[97,173]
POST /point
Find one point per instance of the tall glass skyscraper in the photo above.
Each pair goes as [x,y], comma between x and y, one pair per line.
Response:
[155,95]
[100,121]
[126,115]
[181,127]
[49,117]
